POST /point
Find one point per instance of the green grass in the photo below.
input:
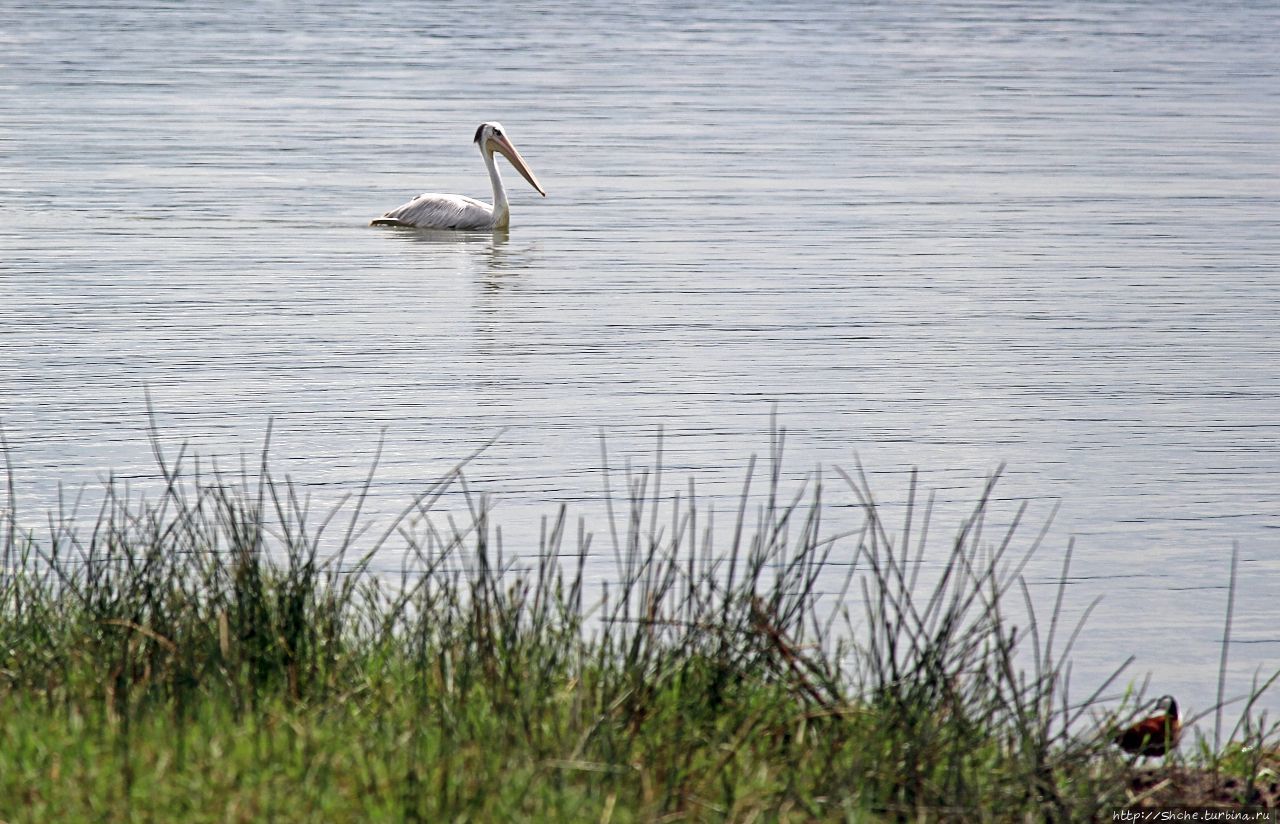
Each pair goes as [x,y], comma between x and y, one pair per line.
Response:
[220,654]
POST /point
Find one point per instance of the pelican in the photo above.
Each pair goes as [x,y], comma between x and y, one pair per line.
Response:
[434,211]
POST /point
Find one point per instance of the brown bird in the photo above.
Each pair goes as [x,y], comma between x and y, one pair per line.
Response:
[1154,736]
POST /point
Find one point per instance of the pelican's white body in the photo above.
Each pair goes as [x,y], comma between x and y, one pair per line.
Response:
[437,211]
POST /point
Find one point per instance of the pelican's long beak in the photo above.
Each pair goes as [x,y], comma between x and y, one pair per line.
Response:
[503,145]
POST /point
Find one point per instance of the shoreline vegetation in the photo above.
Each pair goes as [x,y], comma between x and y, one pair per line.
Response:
[221,653]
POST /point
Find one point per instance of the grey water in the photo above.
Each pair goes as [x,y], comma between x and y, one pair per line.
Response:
[939,235]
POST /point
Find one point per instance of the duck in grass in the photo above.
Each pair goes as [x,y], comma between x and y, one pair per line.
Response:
[1156,735]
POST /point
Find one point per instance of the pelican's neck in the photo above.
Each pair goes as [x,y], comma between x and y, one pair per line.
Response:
[501,211]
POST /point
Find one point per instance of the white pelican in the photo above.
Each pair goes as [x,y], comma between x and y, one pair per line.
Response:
[434,211]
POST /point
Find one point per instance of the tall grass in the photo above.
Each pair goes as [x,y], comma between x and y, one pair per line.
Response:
[220,653]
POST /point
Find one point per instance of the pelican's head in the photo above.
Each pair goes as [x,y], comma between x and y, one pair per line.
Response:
[491,137]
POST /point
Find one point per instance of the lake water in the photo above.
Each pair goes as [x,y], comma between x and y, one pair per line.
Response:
[934,235]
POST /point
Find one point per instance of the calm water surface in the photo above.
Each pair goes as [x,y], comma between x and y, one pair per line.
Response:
[937,235]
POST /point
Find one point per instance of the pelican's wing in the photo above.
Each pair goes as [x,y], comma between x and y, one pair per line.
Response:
[433,211]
